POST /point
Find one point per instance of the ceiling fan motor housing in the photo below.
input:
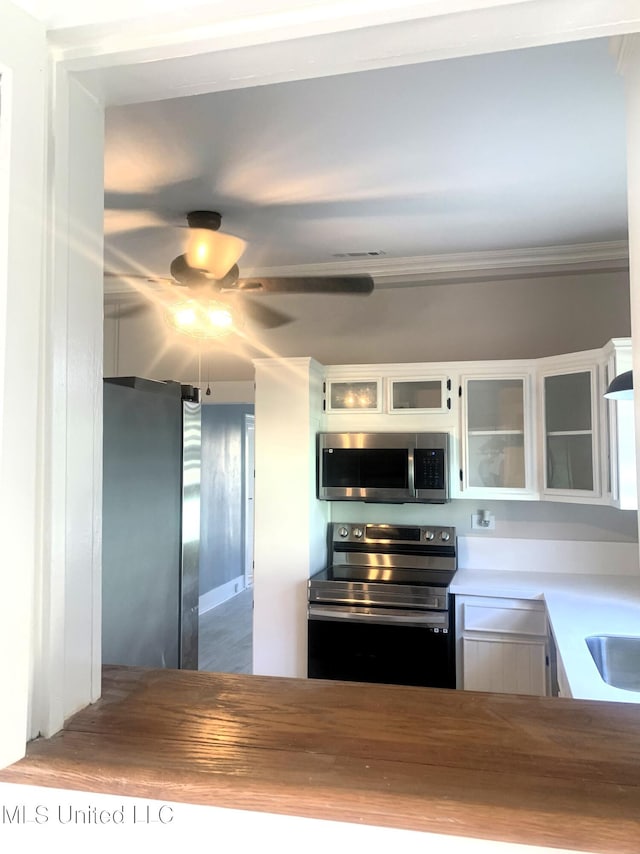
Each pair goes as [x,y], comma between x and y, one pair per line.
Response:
[204,219]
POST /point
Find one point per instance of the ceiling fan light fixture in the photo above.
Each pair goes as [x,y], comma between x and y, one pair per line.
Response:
[213,252]
[207,321]
[207,248]
[184,317]
[220,317]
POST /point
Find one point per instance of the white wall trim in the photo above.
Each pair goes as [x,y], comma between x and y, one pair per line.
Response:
[241,15]
[22,432]
[288,42]
[629,64]
[542,258]
[567,556]
[68,659]
[217,595]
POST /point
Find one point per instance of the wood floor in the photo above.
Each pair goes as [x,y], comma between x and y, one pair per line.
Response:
[533,770]
[225,642]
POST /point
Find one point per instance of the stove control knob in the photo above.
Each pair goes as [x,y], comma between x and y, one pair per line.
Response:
[444,536]
[343,532]
[429,535]
[357,533]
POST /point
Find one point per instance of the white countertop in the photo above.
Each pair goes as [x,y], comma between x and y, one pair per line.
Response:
[578,605]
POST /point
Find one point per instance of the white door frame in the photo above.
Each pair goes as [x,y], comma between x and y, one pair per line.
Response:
[106,61]
[22,198]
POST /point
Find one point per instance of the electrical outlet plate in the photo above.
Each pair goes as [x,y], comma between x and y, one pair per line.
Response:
[484,522]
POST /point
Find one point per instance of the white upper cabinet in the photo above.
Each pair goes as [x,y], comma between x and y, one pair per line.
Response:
[570,431]
[421,395]
[390,397]
[519,429]
[497,446]
[354,395]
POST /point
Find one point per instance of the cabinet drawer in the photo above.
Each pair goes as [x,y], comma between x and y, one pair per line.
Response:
[512,618]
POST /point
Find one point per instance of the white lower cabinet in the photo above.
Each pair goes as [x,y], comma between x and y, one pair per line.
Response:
[502,645]
[563,683]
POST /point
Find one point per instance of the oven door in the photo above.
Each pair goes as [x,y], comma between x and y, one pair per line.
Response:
[384,645]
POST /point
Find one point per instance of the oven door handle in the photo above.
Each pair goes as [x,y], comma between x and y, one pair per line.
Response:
[388,616]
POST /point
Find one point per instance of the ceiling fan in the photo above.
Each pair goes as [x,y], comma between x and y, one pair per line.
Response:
[218,297]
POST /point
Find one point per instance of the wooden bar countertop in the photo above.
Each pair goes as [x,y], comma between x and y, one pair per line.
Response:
[538,771]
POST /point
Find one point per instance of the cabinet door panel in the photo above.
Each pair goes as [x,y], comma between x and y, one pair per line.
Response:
[505,667]
[497,462]
[416,394]
[497,455]
[571,434]
[354,395]
[570,462]
[495,404]
[568,402]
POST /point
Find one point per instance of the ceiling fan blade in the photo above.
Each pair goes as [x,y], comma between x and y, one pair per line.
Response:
[119,312]
[307,285]
[261,314]
[110,275]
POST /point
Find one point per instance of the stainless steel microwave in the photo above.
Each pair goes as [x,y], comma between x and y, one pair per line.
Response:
[390,468]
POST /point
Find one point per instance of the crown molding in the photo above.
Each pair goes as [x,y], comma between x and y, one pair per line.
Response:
[457,266]
[545,260]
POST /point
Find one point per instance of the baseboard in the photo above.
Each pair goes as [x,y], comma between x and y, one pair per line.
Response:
[218,595]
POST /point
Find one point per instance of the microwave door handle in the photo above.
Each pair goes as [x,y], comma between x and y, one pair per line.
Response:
[411,473]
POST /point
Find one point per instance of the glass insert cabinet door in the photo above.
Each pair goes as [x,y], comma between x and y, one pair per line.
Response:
[569,432]
[349,395]
[420,395]
[495,434]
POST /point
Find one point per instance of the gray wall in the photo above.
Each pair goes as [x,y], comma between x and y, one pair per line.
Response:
[501,319]
[535,520]
[510,319]
[222,494]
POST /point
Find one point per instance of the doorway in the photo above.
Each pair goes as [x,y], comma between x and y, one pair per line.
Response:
[226,539]
[73,316]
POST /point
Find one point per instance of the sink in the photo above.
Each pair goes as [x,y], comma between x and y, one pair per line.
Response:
[617,657]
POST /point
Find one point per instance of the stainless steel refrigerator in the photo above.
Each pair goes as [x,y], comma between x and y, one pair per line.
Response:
[151,523]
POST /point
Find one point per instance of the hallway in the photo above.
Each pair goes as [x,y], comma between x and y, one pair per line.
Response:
[225,644]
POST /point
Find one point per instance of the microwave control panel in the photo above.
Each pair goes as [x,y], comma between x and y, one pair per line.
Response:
[429,468]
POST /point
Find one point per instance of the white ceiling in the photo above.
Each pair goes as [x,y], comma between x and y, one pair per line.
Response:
[506,151]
